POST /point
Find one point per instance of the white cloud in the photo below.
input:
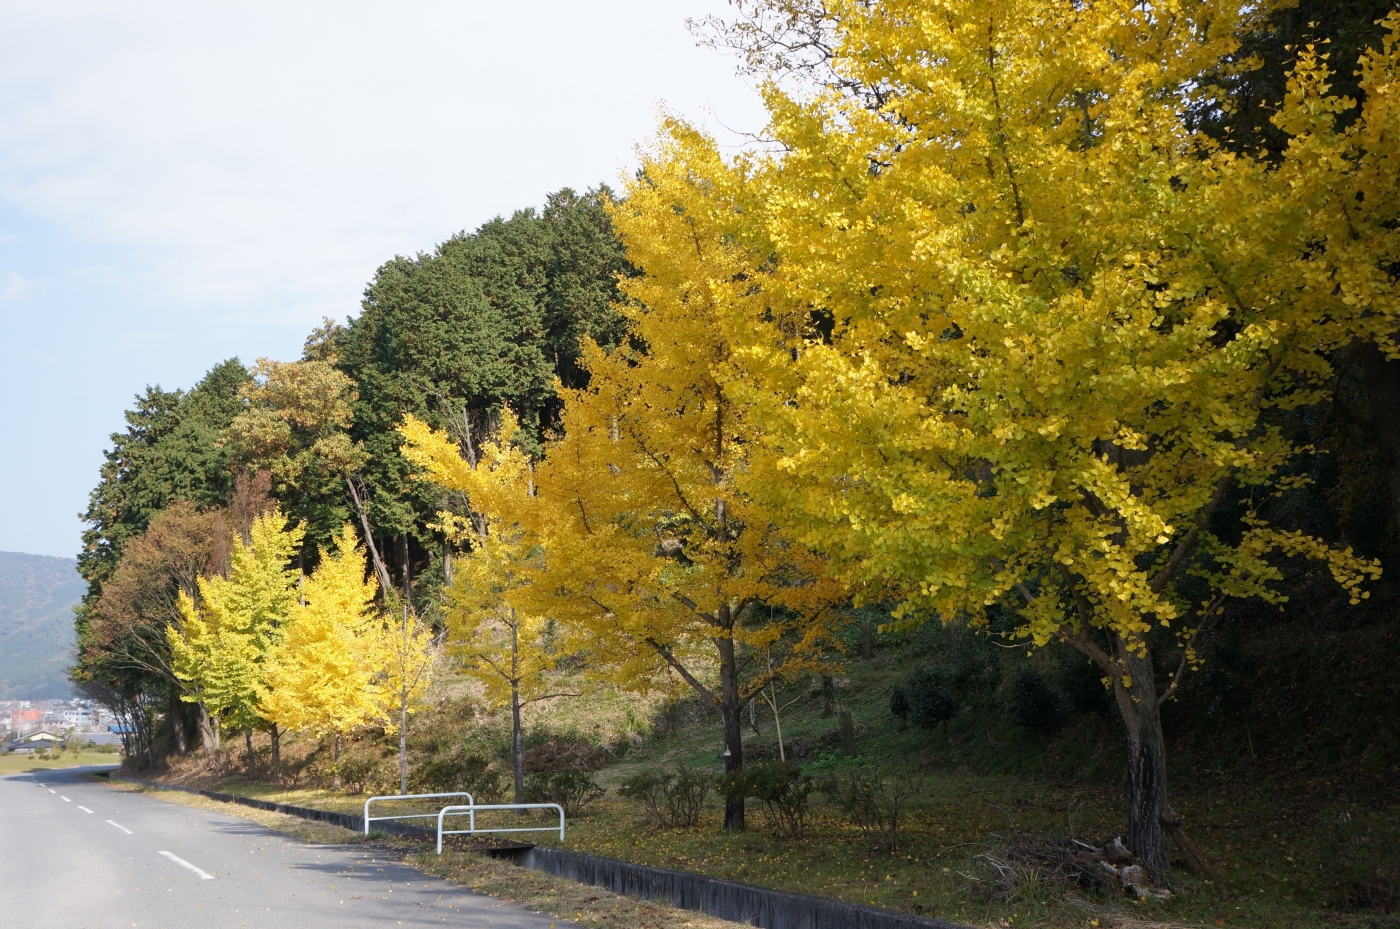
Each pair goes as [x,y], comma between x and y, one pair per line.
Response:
[268,156]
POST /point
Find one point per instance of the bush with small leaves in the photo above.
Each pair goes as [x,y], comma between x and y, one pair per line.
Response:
[933,700]
[871,803]
[674,798]
[458,770]
[780,786]
[899,706]
[573,790]
[1033,704]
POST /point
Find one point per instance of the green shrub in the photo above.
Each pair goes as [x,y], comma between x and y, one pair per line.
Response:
[459,770]
[1033,704]
[780,786]
[872,804]
[674,799]
[933,699]
[573,790]
[899,705]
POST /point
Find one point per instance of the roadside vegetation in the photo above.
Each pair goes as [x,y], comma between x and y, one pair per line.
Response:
[12,763]
[984,502]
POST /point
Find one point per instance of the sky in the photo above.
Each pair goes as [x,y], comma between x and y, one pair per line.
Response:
[181,183]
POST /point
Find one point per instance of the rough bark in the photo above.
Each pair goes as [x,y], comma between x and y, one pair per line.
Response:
[516,747]
[248,743]
[1195,861]
[276,734]
[403,744]
[733,740]
[867,645]
[177,725]
[1147,761]
[1383,393]
[335,762]
[206,731]
[381,571]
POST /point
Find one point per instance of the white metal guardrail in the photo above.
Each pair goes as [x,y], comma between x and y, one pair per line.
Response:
[470,799]
[470,813]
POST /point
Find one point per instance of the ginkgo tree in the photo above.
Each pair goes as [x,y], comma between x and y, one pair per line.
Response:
[321,677]
[401,653]
[1022,328]
[228,632]
[491,624]
[656,554]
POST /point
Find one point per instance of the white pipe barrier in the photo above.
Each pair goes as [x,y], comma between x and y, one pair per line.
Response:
[469,797]
[470,812]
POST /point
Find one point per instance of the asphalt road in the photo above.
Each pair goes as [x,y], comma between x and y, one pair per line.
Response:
[75,854]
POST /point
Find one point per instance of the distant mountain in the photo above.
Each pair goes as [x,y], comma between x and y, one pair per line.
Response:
[37,597]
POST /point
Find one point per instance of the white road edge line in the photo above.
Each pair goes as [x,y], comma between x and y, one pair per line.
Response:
[122,828]
[84,809]
[203,875]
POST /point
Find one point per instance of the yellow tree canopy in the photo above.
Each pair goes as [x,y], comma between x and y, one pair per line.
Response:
[491,621]
[650,533]
[319,679]
[1047,321]
[221,648]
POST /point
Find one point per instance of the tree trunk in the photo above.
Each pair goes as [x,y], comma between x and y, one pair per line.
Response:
[381,571]
[335,761]
[276,734]
[1383,391]
[177,725]
[403,743]
[206,731]
[729,710]
[517,750]
[248,740]
[403,702]
[1147,762]
[777,722]
[867,645]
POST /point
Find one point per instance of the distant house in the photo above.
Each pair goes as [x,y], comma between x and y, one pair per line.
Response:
[42,740]
[43,735]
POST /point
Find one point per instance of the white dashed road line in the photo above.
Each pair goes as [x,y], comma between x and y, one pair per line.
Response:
[52,791]
[203,875]
[122,828]
[64,799]
[84,809]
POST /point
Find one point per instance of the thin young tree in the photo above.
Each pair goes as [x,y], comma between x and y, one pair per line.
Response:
[491,624]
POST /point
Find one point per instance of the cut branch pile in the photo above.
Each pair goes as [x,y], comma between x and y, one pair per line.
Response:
[1037,867]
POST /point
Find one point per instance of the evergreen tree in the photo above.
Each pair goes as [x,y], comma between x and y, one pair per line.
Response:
[488,318]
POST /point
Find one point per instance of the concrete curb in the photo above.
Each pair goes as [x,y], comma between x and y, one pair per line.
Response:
[731,900]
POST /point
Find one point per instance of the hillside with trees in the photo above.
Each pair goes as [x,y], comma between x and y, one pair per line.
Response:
[37,598]
[1018,426]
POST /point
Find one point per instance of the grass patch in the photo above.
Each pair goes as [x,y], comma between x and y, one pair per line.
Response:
[11,763]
